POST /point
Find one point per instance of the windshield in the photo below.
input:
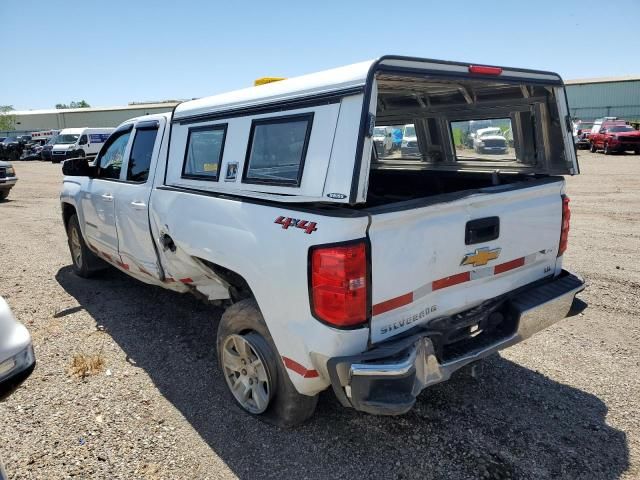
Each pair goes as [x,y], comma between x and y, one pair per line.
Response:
[66,139]
[10,139]
[52,140]
[379,131]
[410,131]
[495,131]
[622,128]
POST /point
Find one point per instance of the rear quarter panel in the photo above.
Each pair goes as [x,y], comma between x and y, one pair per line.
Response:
[244,237]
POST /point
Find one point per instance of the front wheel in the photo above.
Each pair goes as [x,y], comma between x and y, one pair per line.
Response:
[607,150]
[593,148]
[4,194]
[253,370]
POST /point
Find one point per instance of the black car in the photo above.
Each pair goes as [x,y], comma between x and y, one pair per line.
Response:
[10,149]
[45,153]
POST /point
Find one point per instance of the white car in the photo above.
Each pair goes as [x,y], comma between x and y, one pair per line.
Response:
[409,145]
[375,279]
[17,359]
[490,140]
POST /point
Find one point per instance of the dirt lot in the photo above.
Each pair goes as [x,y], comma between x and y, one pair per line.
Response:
[564,404]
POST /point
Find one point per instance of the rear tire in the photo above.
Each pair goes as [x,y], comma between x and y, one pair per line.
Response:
[264,389]
[85,262]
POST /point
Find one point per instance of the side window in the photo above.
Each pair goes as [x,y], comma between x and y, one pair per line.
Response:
[277,149]
[141,151]
[83,140]
[112,156]
[205,146]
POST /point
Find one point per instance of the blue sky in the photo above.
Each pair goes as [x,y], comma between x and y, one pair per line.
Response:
[114,52]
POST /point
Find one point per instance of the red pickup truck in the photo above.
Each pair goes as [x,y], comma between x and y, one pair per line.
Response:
[614,137]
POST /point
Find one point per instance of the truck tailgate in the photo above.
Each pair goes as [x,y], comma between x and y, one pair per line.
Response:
[443,258]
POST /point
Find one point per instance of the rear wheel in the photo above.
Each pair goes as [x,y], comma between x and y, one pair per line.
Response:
[253,370]
[85,262]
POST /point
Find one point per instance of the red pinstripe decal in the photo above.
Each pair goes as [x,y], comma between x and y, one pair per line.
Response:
[393,303]
[299,369]
[456,279]
[450,281]
[505,267]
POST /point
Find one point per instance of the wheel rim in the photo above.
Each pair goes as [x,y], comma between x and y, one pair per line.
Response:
[246,374]
[76,248]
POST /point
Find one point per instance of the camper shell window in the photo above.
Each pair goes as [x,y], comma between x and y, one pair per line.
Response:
[203,156]
[277,150]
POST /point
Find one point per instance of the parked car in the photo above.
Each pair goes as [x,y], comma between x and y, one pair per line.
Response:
[409,145]
[490,140]
[615,138]
[383,141]
[79,142]
[581,133]
[10,148]
[8,179]
[17,359]
[375,279]
[32,149]
[45,153]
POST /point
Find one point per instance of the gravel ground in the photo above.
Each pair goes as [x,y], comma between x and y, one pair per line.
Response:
[564,404]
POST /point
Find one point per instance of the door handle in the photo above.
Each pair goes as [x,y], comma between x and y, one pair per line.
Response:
[138,205]
[107,197]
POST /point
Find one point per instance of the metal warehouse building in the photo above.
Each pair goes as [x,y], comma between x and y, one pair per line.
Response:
[604,97]
[33,120]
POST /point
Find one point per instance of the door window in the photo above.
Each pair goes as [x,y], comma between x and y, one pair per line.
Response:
[83,140]
[140,158]
[112,156]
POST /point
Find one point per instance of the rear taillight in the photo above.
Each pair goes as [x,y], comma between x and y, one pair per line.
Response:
[339,284]
[564,232]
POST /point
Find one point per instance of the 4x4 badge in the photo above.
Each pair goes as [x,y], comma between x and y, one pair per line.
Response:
[480,257]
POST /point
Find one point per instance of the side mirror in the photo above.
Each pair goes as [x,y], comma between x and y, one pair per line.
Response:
[79,167]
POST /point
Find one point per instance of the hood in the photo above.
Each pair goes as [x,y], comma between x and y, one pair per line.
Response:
[627,134]
[62,147]
[4,164]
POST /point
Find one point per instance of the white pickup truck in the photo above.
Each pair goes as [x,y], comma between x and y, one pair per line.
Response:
[340,267]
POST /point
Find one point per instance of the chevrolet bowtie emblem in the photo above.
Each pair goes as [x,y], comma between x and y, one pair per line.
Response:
[480,257]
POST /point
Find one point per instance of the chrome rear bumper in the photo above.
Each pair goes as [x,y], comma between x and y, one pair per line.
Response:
[387,379]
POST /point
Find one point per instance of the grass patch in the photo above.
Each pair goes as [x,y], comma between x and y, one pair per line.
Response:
[83,366]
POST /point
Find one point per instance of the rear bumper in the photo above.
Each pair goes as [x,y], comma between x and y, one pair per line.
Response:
[387,379]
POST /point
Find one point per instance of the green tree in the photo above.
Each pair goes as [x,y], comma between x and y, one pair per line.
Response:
[78,104]
[7,120]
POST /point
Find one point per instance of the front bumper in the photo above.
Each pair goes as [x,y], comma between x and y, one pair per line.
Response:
[7,183]
[387,379]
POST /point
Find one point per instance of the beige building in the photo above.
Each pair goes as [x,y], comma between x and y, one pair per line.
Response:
[28,121]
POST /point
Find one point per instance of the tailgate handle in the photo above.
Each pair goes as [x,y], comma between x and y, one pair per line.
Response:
[482,230]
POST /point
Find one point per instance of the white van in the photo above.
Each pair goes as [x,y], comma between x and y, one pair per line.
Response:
[79,142]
